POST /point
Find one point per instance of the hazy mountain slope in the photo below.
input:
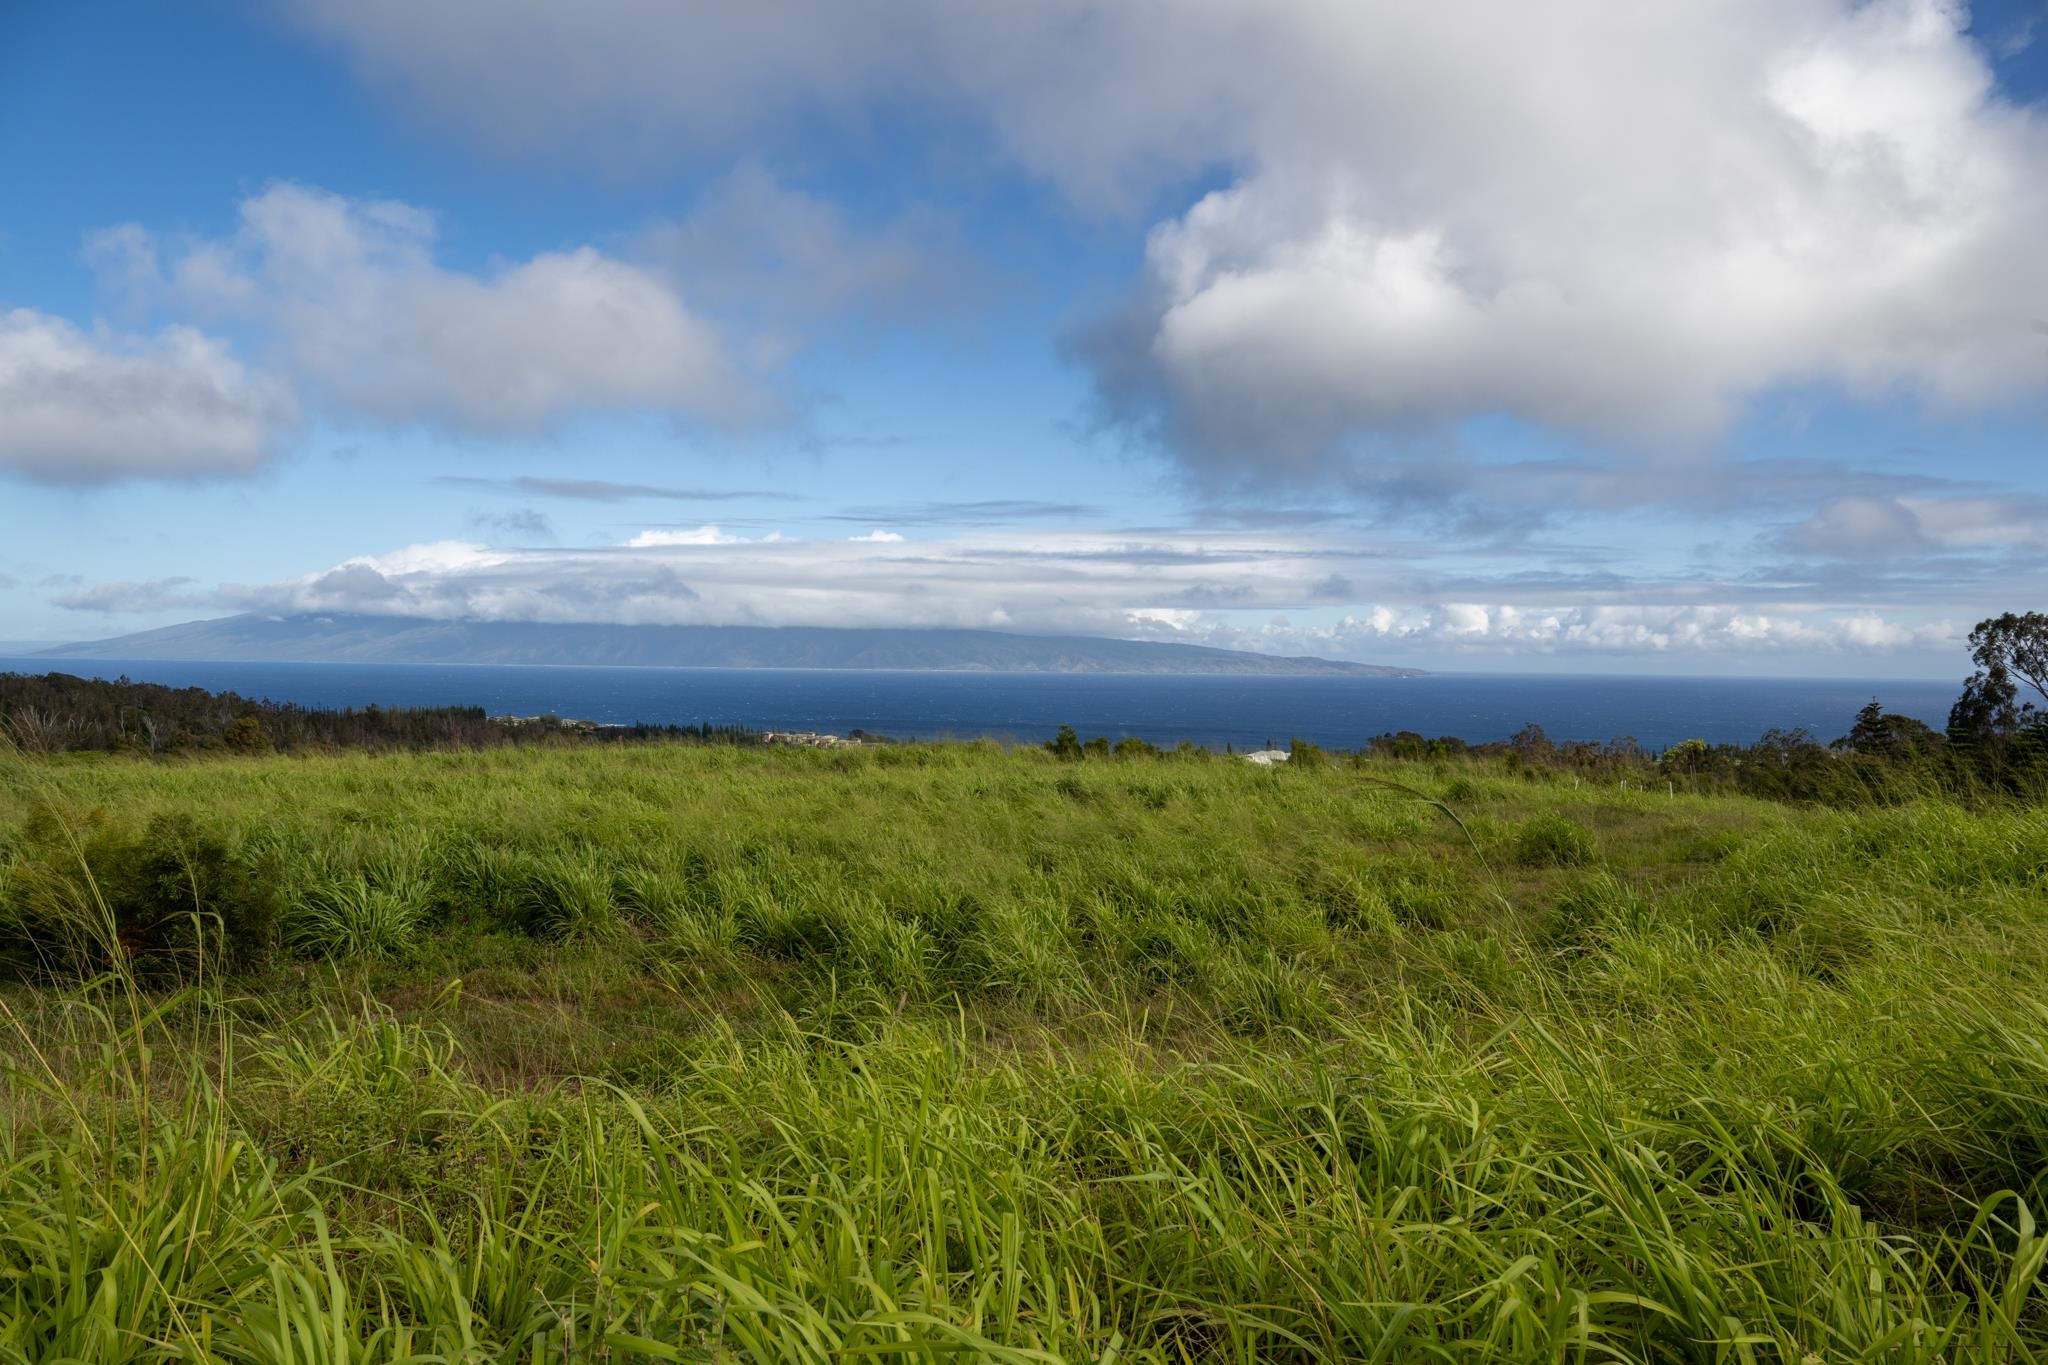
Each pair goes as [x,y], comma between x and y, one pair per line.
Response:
[391,639]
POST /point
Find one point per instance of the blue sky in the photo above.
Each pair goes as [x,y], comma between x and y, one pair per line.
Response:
[1690,337]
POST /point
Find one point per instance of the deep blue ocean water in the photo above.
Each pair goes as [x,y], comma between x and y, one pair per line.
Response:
[1212,710]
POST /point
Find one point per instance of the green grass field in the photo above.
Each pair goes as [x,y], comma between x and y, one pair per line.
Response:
[699,1053]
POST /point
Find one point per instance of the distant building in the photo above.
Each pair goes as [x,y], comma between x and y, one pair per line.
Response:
[1266,758]
[808,739]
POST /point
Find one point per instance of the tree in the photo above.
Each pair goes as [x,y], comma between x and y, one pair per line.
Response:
[1687,757]
[2019,643]
[1889,735]
[1532,744]
[1066,744]
[1407,744]
[1787,748]
[245,735]
[2004,648]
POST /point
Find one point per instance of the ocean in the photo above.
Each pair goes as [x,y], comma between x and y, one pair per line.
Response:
[1212,710]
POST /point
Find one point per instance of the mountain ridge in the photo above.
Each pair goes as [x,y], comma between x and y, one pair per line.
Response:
[335,638]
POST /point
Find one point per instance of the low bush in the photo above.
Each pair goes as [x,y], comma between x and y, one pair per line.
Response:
[1552,840]
[170,898]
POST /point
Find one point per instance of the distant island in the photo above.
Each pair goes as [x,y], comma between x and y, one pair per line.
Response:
[398,639]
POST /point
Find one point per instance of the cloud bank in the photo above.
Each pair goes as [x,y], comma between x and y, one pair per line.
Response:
[1236,590]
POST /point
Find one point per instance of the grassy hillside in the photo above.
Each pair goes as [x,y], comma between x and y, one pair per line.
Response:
[700,1053]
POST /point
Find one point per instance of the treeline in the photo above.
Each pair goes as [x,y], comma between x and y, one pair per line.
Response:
[1884,757]
[58,713]
[1995,743]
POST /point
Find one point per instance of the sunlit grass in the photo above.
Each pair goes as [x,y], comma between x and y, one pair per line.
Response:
[696,1054]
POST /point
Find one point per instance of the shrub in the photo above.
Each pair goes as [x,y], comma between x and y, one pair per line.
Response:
[1302,752]
[167,900]
[1551,840]
[245,735]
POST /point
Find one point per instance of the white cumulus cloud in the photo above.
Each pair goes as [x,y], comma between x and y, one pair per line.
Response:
[1625,222]
[91,407]
[351,293]
[700,535]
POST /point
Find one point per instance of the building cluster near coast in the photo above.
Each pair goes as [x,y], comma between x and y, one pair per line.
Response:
[792,739]
[811,739]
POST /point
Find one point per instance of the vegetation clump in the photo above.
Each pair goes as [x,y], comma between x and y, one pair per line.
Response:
[59,713]
[1551,840]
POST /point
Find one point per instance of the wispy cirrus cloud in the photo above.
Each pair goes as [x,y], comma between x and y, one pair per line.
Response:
[604,490]
[522,525]
[790,262]
[133,599]
[969,512]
